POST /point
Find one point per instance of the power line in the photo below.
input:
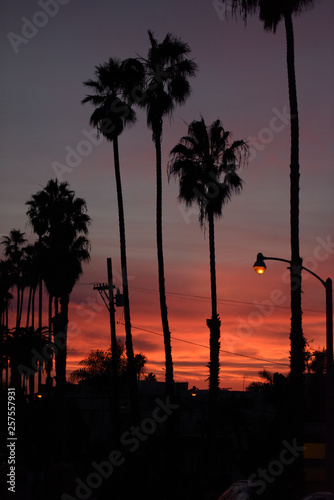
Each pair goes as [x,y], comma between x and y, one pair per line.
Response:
[202,297]
[207,347]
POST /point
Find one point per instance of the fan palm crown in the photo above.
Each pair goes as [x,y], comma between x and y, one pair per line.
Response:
[113,95]
[200,159]
[271,12]
[167,73]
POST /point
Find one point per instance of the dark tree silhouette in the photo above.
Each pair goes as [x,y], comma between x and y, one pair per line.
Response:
[30,271]
[97,366]
[21,347]
[6,283]
[64,247]
[271,13]
[13,250]
[167,73]
[268,383]
[39,207]
[199,161]
[114,89]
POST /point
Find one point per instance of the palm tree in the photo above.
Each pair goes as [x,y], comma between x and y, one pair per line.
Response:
[64,247]
[5,299]
[112,98]
[14,244]
[30,272]
[37,218]
[97,366]
[22,344]
[39,206]
[6,283]
[271,13]
[199,161]
[167,70]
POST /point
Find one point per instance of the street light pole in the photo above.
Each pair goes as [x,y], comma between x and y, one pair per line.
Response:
[260,268]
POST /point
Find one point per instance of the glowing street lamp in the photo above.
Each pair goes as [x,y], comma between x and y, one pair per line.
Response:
[260,267]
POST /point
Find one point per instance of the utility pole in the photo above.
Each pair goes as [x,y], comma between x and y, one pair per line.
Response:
[106,290]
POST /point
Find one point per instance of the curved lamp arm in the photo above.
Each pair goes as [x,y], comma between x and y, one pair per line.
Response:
[260,266]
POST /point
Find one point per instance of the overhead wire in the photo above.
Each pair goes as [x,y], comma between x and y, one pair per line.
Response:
[207,347]
[203,297]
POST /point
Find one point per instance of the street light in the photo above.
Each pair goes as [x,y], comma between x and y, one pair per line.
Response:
[260,267]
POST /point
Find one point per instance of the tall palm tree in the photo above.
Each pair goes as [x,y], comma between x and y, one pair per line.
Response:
[199,161]
[38,218]
[271,13]
[13,250]
[64,248]
[113,99]
[30,271]
[167,85]
[5,299]
[6,283]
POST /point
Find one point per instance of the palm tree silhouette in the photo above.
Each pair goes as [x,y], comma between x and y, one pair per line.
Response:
[199,161]
[13,250]
[113,89]
[30,271]
[37,214]
[271,13]
[6,283]
[167,73]
[20,346]
[64,247]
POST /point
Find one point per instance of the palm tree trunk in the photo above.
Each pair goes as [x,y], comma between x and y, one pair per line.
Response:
[33,308]
[29,306]
[214,326]
[161,272]
[7,359]
[31,387]
[214,322]
[17,306]
[49,361]
[40,320]
[297,340]
[60,327]
[296,335]
[128,335]
[21,305]
[40,324]
[40,303]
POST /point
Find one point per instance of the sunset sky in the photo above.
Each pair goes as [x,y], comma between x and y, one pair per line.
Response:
[242,81]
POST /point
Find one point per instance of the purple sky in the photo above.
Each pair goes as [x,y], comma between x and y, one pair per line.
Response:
[241,80]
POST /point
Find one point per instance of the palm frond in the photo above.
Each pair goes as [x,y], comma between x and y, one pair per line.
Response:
[200,159]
